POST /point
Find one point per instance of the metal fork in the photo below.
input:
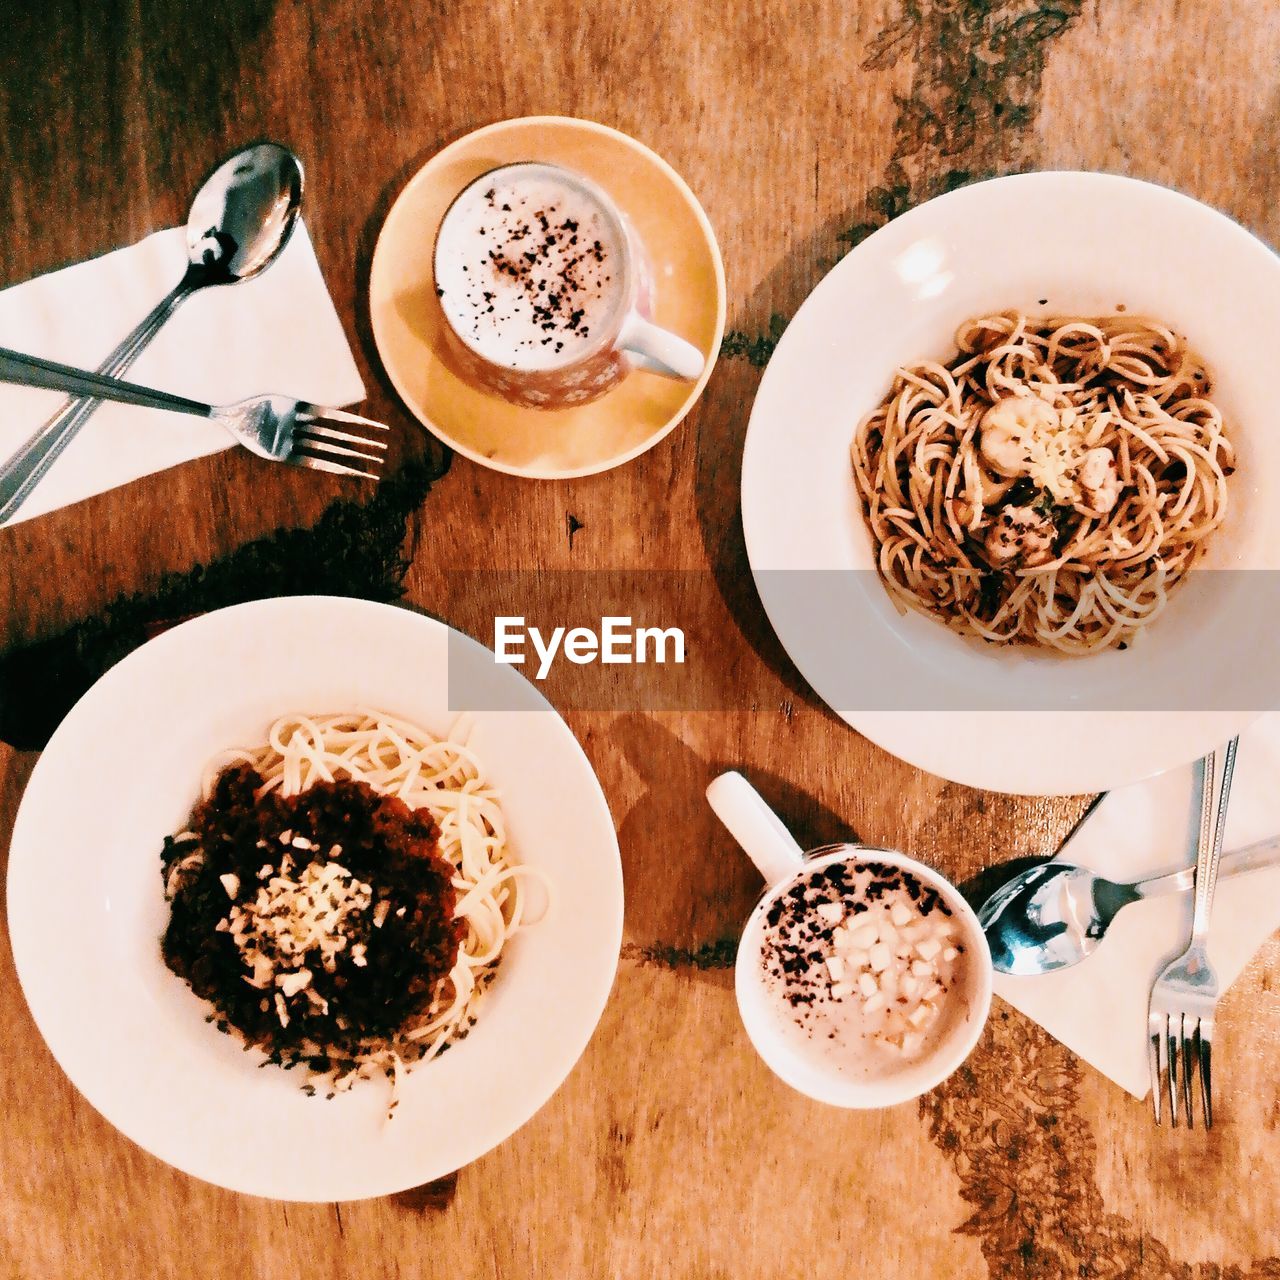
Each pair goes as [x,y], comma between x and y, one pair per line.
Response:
[1185,995]
[274,427]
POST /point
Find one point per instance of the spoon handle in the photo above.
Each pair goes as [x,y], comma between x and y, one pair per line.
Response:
[20,474]
[1253,857]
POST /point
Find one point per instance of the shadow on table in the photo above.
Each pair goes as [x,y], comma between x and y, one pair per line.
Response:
[977,889]
[727,404]
[655,871]
[686,899]
[431,1197]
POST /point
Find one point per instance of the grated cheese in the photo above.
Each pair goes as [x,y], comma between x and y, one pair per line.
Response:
[1024,435]
[292,919]
[1052,461]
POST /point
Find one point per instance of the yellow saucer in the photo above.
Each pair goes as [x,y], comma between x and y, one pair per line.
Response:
[408,326]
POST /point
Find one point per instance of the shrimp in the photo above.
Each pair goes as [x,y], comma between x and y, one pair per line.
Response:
[1007,428]
[1020,538]
[1099,480]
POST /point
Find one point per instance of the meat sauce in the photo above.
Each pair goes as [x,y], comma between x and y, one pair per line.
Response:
[396,949]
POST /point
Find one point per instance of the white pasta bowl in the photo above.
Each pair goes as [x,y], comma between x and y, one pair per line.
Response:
[1016,718]
[86,904]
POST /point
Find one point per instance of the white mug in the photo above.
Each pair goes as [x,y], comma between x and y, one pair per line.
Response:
[629,339]
[783,863]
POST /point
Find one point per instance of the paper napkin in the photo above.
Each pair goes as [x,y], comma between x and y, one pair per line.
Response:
[276,333]
[1098,1008]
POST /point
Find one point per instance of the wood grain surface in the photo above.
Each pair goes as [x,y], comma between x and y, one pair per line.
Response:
[801,125]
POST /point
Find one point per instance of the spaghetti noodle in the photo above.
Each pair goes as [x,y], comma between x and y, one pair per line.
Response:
[1051,484]
[427,800]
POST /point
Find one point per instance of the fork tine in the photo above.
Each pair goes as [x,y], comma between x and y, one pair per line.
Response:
[313,429]
[314,413]
[1153,1061]
[1190,1031]
[324,448]
[1172,1040]
[319,464]
[1204,1037]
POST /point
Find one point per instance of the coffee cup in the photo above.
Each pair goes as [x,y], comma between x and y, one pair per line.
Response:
[863,977]
[546,290]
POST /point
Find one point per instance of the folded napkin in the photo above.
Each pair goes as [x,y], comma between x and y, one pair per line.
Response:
[278,332]
[1098,1008]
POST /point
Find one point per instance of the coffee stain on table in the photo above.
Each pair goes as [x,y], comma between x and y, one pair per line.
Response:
[979,66]
[1009,1120]
[720,954]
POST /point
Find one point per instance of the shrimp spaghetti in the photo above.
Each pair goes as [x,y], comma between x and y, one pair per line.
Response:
[343,894]
[1051,484]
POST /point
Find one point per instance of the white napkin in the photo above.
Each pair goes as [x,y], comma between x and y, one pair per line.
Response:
[1098,1008]
[278,332]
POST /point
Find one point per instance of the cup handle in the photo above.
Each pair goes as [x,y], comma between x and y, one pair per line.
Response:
[755,826]
[661,352]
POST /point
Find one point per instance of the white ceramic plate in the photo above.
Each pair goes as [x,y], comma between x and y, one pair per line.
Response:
[1082,243]
[86,907]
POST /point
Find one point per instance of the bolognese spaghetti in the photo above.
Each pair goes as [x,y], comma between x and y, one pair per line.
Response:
[343,893]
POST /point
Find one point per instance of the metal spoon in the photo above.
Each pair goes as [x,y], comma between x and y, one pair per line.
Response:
[1055,914]
[239,221]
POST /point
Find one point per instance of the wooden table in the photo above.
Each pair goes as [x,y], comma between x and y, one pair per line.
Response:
[670,1151]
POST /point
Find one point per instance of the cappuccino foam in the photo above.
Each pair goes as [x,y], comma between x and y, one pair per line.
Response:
[529,268]
[866,967]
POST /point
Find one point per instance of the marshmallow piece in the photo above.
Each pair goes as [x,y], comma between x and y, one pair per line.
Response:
[864,936]
[857,959]
[928,948]
[922,969]
[880,957]
[842,990]
[921,1014]
[950,953]
[867,985]
[912,1042]
[830,912]
[900,914]
[835,968]
[874,1003]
